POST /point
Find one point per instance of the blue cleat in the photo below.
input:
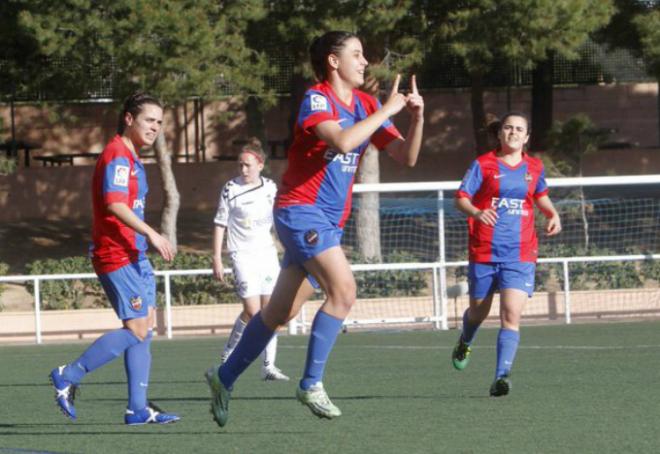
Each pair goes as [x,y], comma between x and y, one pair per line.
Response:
[65,392]
[150,414]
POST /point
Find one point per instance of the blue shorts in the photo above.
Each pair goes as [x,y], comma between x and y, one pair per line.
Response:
[131,289]
[485,278]
[305,231]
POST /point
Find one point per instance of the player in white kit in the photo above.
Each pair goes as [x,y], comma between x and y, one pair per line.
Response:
[245,212]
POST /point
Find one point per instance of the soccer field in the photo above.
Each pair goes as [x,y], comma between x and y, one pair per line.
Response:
[579,388]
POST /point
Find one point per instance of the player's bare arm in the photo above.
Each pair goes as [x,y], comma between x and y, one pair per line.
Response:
[487,216]
[346,140]
[553,226]
[122,212]
[218,267]
[405,152]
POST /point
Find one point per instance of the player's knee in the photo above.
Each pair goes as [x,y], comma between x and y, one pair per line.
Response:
[343,294]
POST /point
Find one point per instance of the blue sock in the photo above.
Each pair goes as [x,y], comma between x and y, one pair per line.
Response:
[507,345]
[137,362]
[325,329]
[255,338]
[469,329]
[102,351]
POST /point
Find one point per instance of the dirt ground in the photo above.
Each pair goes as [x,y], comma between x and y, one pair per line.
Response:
[26,241]
[23,242]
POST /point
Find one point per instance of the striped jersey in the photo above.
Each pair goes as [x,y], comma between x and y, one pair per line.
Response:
[119,177]
[510,190]
[317,174]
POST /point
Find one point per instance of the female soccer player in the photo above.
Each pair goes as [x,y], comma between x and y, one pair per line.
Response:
[335,124]
[245,211]
[120,236]
[497,195]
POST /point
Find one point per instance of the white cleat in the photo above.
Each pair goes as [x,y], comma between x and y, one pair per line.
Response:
[273,374]
[318,402]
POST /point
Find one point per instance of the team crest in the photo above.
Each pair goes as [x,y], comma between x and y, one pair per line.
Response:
[318,102]
[136,302]
[311,237]
[528,177]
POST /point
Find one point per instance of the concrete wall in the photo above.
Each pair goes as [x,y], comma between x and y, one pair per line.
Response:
[63,192]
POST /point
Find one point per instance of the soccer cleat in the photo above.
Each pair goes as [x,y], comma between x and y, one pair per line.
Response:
[501,386]
[219,397]
[65,392]
[460,356]
[318,401]
[150,414]
[273,374]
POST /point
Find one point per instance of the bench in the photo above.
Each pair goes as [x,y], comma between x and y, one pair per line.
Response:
[64,158]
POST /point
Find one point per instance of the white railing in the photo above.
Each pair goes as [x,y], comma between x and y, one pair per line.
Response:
[439,317]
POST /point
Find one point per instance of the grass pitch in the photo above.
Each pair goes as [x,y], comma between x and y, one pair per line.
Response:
[579,388]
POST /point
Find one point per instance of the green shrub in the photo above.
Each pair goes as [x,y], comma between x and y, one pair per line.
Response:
[193,290]
[385,284]
[7,165]
[67,294]
[4,269]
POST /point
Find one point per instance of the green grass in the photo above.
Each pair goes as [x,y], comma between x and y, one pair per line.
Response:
[580,388]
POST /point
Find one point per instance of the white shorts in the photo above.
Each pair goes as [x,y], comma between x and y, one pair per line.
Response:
[255,273]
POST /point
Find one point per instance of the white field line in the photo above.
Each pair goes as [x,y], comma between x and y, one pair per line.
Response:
[484,347]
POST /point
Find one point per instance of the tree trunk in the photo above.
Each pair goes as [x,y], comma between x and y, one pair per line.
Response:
[478,112]
[171,199]
[658,99]
[296,91]
[367,218]
[256,126]
[542,99]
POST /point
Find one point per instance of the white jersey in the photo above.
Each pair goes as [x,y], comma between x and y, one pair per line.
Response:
[247,213]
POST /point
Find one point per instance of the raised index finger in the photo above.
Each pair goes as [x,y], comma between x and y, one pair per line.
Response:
[413,85]
[395,85]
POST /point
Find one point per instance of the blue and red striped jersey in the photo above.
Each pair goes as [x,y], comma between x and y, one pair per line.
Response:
[316,174]
[491,183]
[118,177]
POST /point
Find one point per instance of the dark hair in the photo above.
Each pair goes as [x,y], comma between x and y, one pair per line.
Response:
[253,146]
[515,113]
[133,105]
[324,45]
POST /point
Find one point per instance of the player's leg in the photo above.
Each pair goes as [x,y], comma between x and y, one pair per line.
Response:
[122,292]
[250,308]
[137,359]
[269,270]
[517,281]
[269,371]
[246,284]
[482,282]
[333,273]
[291,290]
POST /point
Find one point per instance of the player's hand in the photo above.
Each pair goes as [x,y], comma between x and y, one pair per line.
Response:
[218,269]
[414,101]
[487,216]
[162,245]
[553,226]
[396,101]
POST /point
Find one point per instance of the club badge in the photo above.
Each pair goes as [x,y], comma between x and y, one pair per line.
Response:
[311,237]
[136,302]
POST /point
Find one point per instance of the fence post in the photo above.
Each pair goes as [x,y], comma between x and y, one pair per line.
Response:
[168,305]
[436,298]
[37,310]
[567,293]
[443,259]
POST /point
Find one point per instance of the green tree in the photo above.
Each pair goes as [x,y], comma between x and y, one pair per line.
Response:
[174,49]
[648,26]
[387,29]
[483,32]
